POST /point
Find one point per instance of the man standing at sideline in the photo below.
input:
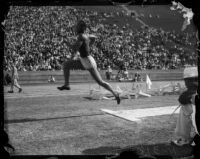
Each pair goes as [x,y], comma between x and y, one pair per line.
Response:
[15,78]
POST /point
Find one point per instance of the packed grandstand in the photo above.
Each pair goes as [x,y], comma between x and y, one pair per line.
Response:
[38,38]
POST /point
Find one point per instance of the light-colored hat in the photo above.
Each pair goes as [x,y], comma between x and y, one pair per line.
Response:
[190,72]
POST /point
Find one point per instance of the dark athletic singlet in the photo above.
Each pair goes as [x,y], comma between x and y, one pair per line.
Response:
[84,49]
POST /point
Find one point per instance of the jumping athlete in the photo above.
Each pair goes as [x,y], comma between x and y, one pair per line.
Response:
[85,61]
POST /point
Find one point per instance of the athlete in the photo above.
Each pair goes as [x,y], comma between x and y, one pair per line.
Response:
[85,61]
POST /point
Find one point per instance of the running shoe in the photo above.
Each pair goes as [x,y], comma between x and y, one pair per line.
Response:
[10,91]
[20,90]
[64,88]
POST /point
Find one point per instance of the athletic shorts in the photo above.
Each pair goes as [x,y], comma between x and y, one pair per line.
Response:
[88,62]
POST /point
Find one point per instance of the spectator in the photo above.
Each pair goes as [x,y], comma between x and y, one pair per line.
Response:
[126,74]
[137,77]
[37,38]
[184,123]
[109,73]
[14,78]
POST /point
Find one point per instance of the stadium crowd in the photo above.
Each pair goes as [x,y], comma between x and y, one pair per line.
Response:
[37,38]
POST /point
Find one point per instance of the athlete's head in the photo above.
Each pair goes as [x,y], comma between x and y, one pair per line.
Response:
[81,27]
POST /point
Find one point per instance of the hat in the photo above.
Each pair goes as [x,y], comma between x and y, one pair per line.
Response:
[190,72]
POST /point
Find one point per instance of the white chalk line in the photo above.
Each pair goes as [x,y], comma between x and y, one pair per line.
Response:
[138,114]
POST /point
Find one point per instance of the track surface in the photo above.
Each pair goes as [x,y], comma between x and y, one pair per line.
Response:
[44,121]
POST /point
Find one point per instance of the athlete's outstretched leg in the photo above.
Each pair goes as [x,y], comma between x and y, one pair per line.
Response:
[97,77]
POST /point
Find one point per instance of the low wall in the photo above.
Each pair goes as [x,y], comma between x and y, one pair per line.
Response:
[41,77]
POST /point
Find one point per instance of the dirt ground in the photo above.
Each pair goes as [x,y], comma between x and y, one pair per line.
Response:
[44,121]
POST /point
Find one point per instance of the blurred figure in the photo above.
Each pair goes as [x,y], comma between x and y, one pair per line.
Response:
[123,73]
[121,70]
[5,147]
[137,77]
[140,78]
[126,74]
[184,122]
[14,79]
[109,73]
[51,79]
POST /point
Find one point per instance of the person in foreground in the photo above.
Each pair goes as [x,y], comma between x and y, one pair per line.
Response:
[85,61]
[184,123]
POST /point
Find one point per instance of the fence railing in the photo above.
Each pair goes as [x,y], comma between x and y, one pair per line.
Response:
[41,77]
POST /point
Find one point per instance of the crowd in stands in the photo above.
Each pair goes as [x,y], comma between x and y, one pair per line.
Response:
[38,38]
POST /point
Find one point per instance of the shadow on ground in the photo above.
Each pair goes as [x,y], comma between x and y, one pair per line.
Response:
[161,150]
[45,119]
